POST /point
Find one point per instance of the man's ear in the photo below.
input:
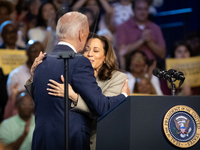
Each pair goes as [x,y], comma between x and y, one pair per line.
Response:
[81,35]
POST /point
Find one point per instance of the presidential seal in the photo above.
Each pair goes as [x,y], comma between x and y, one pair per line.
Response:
[181,126]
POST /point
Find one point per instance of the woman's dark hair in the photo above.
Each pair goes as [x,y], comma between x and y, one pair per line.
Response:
[8,5]
[129,57]
[192,35]
[40,20]
[149,2]
[135,90]
[21,5]
[177,44]
[87,10]
[98,3]
[111,64]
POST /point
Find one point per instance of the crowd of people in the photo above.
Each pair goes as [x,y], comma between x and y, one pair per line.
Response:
[129,40]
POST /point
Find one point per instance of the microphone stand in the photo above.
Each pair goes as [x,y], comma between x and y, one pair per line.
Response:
[66,56]
[173,87]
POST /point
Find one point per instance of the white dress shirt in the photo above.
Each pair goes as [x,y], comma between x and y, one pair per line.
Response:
[65,43]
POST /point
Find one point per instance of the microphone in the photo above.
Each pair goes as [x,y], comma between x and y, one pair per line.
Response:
[177,75]
[161,73]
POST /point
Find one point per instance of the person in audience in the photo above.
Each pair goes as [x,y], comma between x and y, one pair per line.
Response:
[120,12]
[3,93]
[33,10]
[22,73]
[10,109]
[193,39]
[24,18]
[58,3]
[45,28]
[144,86]
[94,5]
[180,50]
[6,8]
[16,132]
[138,33]
[9,35]
[91,18]
[97,7]
[137,66]
[20,7]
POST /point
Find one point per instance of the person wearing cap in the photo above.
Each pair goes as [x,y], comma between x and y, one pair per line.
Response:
[9,35]
[6,9]
[16,132]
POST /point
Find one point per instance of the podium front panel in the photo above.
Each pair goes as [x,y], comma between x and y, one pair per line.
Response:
[137,123]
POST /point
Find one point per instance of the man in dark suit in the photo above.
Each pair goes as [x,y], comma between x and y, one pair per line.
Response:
[72,29]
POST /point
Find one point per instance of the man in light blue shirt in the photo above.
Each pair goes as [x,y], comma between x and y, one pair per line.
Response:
[16,132]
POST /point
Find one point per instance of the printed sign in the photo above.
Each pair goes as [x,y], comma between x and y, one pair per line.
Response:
[190,68]
[11,59]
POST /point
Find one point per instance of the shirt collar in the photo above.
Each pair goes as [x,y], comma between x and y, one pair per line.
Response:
[133,21]
[65,43]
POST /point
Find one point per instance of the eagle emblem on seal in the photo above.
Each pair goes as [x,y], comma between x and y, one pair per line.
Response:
[182,124]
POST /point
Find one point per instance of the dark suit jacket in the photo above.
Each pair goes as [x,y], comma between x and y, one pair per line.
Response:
[49,110]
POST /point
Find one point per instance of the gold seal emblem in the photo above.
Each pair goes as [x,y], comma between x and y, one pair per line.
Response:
[181,126]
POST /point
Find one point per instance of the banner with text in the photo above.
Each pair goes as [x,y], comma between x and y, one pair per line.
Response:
[11,59]
[190,68]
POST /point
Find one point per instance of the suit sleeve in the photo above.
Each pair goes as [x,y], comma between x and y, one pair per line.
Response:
[85,84]
[28,87]
[81,107]
[115,85]
[114,88]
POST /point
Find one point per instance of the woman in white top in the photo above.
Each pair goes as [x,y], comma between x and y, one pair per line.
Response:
[137,65]
[45,29]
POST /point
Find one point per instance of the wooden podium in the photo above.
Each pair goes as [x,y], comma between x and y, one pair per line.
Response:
[137,123]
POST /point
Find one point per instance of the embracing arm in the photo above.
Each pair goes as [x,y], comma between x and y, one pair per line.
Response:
[85,83]
[38,60]
[112,87]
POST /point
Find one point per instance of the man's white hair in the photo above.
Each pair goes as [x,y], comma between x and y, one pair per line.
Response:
[69,24]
